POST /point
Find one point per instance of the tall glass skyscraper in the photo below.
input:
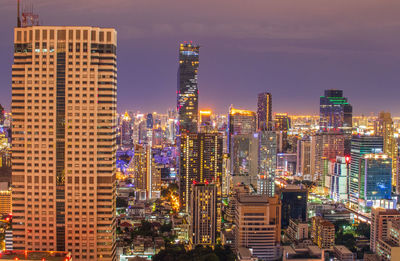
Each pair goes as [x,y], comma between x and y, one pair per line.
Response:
[335,112]
[188,93]
[264,111]
[360,146]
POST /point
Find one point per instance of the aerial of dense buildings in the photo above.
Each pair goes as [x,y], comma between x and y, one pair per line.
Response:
[82,180]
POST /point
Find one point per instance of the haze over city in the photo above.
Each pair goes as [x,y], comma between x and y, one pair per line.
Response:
[294,49]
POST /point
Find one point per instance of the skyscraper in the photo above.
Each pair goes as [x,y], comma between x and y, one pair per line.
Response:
[200,161]
[203,214]
[384,127]
[374,181]
[360,145]
[335,112]
[240,122]
[267,162]
[188,93]
[64,91]
[264,111]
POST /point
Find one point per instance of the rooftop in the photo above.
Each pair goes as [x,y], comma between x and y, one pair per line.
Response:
[35,255]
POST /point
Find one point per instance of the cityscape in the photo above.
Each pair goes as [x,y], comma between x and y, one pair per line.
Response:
[82,179]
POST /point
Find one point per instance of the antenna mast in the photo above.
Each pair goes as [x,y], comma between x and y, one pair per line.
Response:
[29,18]
[18,17]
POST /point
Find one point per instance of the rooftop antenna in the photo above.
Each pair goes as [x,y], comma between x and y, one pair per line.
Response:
[18,17]
[29,18]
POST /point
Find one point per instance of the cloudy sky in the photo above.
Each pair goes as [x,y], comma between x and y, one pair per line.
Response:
[292,48]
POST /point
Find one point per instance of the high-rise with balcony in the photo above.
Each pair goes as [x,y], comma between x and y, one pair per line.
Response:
[188,94]
[64,90]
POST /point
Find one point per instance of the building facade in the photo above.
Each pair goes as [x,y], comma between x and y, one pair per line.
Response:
[264,111]
[335,112]
[203,214]
[188,93]
[64,91]
[257,225]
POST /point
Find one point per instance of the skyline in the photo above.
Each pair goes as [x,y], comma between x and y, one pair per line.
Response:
[303,55]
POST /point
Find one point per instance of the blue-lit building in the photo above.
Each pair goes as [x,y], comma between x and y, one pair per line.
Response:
[360,146]
[375,182]
[187,92]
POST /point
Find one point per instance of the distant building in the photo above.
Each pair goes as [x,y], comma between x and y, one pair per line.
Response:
[335,112]
[282,125]
[200,161]
[375,182]
[203,214]
[188,93]
[384,127]
[264,111]
[339,172]
[240,122]
[322,232]
[262,234]
[294,204]
[244,158]
[360,145]
[266,163]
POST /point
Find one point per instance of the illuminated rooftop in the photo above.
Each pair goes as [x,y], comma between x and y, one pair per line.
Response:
[234,111]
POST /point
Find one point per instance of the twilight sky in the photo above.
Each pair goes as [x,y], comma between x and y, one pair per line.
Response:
[292,48]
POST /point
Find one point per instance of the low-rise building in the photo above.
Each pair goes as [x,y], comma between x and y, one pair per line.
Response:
[322,232]
[342,253]
[389,248]
[297,230]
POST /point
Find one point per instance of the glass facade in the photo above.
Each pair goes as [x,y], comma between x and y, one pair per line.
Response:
[187,93]
[335,112]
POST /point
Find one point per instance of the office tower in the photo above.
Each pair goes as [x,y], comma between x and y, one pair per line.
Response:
[240,122]
[206,124]
[380,219]
[126,131]
[282,125]
[339,171]
[200,161]
[303,168]
[335,112]
[188,93]
[389,248]
[149,121]
[384,127]
[360,145]
[264,111]
[244,159]
[264,235]
[294,204]
[267,162]
[139,166]
[322,232]
[282,122]
[332,145]
[203,214]
[64,148]
[374,182]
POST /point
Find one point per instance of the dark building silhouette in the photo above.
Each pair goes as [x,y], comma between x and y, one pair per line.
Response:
[294,204]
